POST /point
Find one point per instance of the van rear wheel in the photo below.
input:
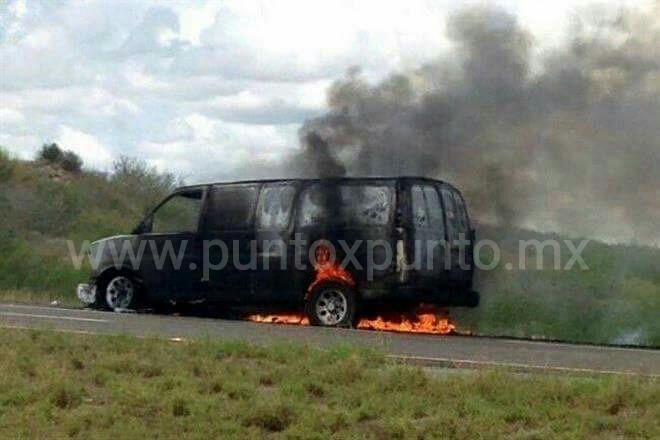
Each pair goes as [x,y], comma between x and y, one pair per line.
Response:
[331,304]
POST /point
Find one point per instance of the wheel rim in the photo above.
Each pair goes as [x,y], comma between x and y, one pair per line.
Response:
[119,293]
[331,307]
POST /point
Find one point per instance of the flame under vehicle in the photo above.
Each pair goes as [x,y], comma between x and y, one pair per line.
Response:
[329,246]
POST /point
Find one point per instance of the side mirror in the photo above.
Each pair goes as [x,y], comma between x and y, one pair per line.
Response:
[141,228]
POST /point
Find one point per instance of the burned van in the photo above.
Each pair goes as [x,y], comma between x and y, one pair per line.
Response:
[328,245]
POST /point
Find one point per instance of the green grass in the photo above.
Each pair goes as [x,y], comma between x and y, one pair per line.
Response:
[614,302]
[46,206]
[55,385]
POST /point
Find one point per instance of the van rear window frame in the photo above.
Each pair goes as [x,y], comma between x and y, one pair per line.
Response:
[389,184]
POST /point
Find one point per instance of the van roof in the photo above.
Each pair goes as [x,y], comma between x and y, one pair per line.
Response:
[325,179]
[369,178]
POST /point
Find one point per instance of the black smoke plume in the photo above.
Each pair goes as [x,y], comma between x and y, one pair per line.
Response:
[568,140]
[315,158]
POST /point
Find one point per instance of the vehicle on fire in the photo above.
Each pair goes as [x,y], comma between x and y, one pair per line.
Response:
[360,220]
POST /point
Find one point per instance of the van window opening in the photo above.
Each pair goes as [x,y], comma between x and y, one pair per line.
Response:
[231,207]
[178,214]
[346,205]
[274,209]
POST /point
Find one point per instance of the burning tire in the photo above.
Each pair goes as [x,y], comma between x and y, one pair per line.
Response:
[331,304]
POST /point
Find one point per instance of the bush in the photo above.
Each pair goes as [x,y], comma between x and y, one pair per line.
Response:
[51,153]
[145,185]
[54,155]
[6,166]
[71,162]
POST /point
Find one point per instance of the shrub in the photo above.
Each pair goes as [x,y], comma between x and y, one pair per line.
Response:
[273,417]
[54,155]
[50,153]
[6,166]
[145,185]
[71,162]
[66,396]
[180,408]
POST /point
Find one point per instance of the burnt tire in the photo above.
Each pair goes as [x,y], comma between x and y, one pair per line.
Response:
[117,291]
[331,304]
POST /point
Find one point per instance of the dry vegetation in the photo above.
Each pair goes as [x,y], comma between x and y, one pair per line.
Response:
[55,385]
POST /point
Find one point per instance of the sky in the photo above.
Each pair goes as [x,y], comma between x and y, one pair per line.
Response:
[201,88]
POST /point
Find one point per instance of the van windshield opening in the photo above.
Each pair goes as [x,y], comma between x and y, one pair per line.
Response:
[346,205]
[180,213]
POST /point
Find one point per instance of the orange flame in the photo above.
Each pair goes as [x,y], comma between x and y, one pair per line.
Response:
[426,319]
[296,318]
[327,270]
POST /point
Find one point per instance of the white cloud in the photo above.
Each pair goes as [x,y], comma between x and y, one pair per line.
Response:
[195,19]
[22,145]
[18,8]
[221,146]
[10,116]
[88,147]
[202,87]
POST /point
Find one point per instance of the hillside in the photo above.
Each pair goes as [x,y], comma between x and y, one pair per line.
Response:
[614,302]
[44,206]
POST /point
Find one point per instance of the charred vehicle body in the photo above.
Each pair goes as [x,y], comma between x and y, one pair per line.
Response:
[329,245]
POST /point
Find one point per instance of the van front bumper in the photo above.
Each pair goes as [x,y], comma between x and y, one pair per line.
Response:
[86,293]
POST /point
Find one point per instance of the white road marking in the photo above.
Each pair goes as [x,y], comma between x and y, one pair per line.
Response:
[31,307]
[465,363]
[83,332]
[444,362]
[65,318]
[470,362]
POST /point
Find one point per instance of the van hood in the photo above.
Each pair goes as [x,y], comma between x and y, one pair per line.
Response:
[115,238]
[118,240]
[101,251]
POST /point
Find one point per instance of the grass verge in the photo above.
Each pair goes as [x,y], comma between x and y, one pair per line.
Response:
[55,385]
[50,298]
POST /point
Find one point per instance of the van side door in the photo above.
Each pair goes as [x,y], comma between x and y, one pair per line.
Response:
[357,216]
[458,228]
[228,231]
[172,255]
[428,234]
[272,280]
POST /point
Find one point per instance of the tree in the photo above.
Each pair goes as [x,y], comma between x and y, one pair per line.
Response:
[51,153]
[145,184]
[6,166]
[54,155]
[71,162]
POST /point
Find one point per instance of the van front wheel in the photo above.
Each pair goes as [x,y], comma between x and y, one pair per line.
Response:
[117,292]
[331,304]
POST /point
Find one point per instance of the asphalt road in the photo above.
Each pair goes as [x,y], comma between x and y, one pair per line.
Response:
[436,350]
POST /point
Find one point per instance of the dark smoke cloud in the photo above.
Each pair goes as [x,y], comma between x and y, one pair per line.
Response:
[316,159]
[571,142]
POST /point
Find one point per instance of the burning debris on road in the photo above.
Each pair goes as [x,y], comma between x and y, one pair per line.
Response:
[425,319]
